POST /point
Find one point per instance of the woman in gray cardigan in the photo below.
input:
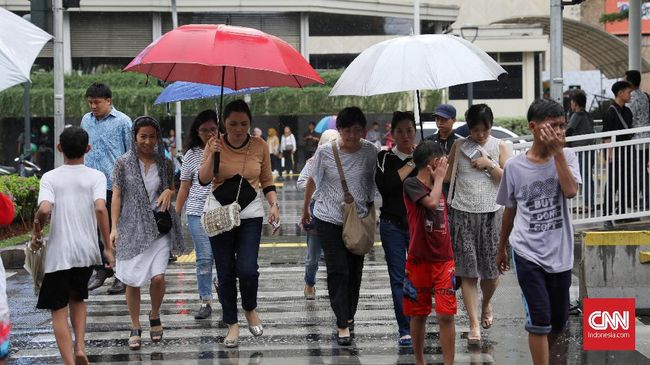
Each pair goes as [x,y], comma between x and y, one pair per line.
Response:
[143,184]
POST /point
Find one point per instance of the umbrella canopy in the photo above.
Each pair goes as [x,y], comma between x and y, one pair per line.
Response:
[417,62]
[20,44]
[234,57]
[328,122]
[181,90]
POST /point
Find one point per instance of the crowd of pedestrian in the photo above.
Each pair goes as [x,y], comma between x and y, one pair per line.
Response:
[455,212]
[437,242]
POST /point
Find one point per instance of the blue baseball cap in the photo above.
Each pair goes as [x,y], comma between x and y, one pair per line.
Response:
[446,111]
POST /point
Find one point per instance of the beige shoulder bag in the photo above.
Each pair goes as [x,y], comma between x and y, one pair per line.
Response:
[358,233]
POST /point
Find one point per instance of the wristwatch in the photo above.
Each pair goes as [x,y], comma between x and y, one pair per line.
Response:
[275,204]
[410,164]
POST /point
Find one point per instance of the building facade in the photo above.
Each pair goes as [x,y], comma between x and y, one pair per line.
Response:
[329,33]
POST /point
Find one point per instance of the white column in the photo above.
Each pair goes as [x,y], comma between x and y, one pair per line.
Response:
[59,93]
[156,26]
[67,49]
[178,118]
[557,80]
[416,31]
[634,30]
[304,35]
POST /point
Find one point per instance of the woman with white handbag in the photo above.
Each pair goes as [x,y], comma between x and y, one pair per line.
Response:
[234,212]
[344,213]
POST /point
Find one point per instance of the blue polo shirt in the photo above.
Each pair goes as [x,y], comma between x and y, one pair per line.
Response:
[110,138]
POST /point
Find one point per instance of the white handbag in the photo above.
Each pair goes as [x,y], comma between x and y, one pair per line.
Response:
[217,218]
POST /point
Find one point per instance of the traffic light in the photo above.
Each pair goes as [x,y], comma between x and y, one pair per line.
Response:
[41,14]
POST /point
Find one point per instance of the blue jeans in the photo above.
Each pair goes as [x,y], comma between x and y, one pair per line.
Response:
[395,241]
[235,254]
[311,260]
[204,258]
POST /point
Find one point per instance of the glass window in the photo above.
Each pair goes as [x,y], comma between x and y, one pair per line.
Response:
[508,87]
[506,57]
[331,61]
[322,25]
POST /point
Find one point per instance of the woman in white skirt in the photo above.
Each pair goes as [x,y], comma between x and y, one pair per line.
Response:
[145,225]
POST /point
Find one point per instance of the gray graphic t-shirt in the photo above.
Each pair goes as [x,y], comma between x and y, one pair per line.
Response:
[542,231]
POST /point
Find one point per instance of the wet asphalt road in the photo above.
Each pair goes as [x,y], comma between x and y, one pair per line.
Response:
[296,331]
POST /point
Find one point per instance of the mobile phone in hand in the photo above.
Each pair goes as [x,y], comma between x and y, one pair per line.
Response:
[276,226]
[474,155]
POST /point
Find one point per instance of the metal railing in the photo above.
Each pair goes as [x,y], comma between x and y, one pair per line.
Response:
[616,180]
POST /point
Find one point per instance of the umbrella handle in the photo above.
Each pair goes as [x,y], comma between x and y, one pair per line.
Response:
[217,159]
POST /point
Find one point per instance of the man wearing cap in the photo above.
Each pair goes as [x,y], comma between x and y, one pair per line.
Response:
[445,115]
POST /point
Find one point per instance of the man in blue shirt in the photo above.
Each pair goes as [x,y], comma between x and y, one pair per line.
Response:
[109,132]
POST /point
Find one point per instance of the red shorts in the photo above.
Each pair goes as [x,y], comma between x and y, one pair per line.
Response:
[427,277]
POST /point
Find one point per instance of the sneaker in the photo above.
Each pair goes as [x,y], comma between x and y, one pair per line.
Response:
[118,287]
[98,278]
[405,341]
[205,311]
[310,292]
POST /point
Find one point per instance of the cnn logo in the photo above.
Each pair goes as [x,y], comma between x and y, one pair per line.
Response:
[608,324]
[602,320]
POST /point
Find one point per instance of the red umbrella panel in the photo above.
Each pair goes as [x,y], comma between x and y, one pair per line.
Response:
[224,55]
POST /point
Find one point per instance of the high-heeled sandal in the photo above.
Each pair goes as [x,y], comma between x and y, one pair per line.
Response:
[156,335]
[135,339]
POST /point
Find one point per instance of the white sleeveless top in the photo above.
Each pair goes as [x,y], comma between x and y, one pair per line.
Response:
[475,191]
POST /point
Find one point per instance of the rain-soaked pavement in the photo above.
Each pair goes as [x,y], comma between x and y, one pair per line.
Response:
[296,331]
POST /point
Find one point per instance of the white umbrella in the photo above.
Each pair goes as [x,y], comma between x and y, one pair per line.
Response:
[416,62]
[20,44]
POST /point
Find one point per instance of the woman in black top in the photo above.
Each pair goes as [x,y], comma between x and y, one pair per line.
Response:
[393,166]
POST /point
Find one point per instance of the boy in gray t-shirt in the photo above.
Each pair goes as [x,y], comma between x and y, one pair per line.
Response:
[534,189]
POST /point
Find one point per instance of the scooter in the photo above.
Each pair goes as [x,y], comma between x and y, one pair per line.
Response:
[24,167]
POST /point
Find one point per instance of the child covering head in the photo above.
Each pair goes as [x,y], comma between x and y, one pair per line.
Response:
[537,222]
[79,195]
[430,262]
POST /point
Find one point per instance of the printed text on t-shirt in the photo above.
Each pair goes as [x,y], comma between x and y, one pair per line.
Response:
[542,198]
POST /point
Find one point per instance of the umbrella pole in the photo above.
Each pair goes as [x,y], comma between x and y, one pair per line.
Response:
[217,155]
[417,93]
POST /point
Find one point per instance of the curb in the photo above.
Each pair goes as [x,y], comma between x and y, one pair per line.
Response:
[13,257]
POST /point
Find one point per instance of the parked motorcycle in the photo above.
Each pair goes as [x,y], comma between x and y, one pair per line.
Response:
[24,167]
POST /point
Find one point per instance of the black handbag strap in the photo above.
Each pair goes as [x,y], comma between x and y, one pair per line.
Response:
[242,170]
[620,117]
[347,197]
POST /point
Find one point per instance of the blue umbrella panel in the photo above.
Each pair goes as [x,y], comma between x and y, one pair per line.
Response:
[181,90]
